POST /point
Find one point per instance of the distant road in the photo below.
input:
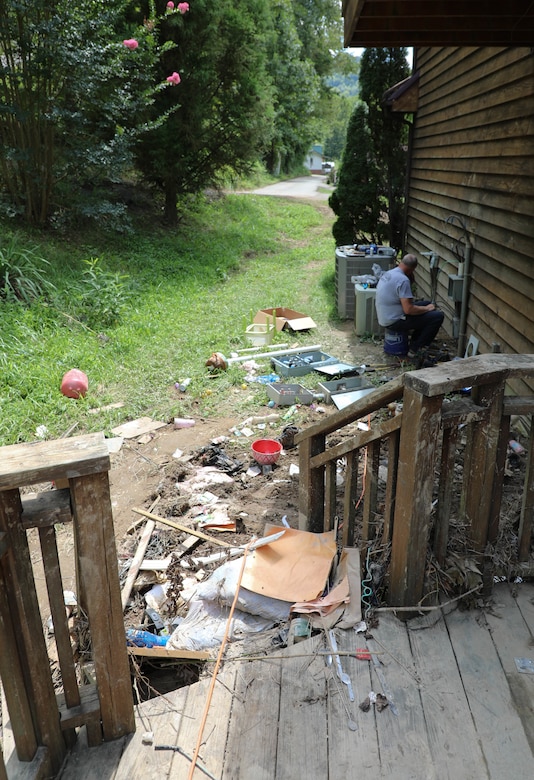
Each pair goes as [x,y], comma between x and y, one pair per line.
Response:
[302,187]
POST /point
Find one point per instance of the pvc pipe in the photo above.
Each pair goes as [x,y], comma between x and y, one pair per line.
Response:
[465,295]
[276,353]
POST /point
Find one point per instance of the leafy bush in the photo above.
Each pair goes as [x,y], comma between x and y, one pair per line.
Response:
[100,295]
[23,273]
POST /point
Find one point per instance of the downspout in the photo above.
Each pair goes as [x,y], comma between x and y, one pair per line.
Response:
[465,296]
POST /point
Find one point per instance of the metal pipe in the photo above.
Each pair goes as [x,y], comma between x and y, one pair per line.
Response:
[465,295]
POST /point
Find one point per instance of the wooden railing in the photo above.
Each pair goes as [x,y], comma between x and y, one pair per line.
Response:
[422,448]
[44,724]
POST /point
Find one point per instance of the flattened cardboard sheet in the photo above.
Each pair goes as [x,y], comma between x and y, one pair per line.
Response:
[293,568]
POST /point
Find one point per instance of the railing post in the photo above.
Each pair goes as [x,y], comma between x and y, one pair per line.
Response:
[419,441]
[480,461]
[311,485]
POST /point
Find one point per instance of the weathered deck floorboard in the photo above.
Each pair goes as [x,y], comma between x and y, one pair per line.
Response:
[461,709]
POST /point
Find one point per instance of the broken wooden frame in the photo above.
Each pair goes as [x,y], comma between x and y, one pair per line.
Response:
[44,724]
[421,444]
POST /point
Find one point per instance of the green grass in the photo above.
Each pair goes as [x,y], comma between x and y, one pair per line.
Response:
[190,292]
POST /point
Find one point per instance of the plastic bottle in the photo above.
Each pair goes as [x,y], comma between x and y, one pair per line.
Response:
[182,386]
[183,422]
[145,638]
[516,447]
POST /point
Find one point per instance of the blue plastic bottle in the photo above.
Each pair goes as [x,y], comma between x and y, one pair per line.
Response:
[145,638]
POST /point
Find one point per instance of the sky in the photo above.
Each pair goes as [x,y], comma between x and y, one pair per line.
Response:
[358,53]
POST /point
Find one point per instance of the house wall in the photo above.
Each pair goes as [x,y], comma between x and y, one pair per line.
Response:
[314,161]
[473,156]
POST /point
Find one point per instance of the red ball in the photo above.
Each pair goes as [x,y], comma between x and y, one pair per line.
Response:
[74,384]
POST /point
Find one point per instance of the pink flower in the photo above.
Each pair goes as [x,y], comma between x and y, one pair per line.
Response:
[131,43]
[170,5]
[174,78]
[183,7]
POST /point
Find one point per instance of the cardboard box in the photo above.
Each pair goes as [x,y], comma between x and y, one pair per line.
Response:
[285,318]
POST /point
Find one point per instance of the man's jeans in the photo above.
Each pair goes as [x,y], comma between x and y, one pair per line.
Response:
[423,327]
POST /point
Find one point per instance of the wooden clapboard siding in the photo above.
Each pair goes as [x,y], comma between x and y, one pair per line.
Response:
[473,156]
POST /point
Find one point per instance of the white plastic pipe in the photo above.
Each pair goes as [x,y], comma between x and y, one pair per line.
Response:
[276,353]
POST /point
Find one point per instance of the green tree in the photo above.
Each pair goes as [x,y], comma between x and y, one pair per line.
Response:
[369,198]
[355,200]
[381,69]
[219,116]
[295,93]
[71,94]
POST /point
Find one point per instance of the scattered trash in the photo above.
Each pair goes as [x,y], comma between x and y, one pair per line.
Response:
[183,385]
[213,455]
[140,638]
[148,738]
[287,437]
[137,427]
[41,431]
[378,699]
[177,453]
[524,665]
[516,448]
[183,422]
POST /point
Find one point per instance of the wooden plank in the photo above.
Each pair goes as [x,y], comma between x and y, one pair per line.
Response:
[370,495]
[525,603]
[468,372]
[402,737]
[38,768]
[527,505]
[518,405]
[500,732]
[479,463]
[498,482]
[14,689]
[302,734]
[253,729]
[99,581]
[361,439]
[311,485]
[379,398]
[513,639]
[162,716]
[77,715]
[164,652]
[452,738]
[446,481]
[212,750]
[47,508]
[93,763]
[136,562]
[417,455]
[3,770]
[44,461]
[350,752]
[349,498]
[183,528]
[56,600]
[462,412]
[391,486]
[330,495]
[26,618]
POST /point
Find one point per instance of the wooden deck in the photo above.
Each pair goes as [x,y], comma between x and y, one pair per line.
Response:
[461,709]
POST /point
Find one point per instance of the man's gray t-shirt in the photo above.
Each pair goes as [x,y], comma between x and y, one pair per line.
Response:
[391,287]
